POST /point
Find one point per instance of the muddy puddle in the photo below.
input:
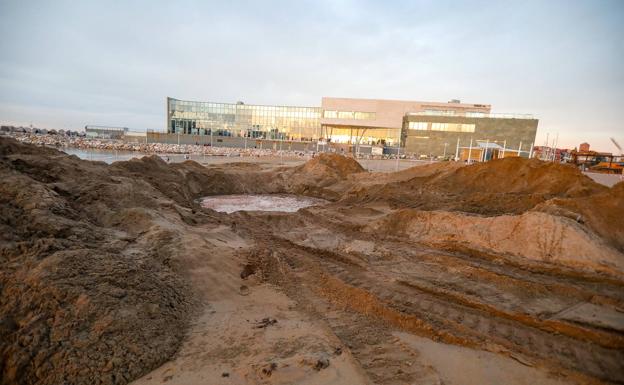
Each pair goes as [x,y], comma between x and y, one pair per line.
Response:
[267,202]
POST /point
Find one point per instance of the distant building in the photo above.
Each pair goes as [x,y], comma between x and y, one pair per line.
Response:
[430,128]
[551,154]
[584,147]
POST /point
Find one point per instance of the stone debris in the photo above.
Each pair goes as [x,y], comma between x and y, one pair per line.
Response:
[265,322]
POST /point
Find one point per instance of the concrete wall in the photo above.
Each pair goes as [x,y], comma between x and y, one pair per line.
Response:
[389,113]
[513,131]
[229,141]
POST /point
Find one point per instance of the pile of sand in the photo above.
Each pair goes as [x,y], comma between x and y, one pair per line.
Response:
[90,292]
[504,186]
[331,164]
[533,235]
[182,182]
[519,176]
[321,177]
[603,212]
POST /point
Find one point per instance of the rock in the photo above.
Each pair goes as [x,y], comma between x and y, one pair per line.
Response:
[248,270]
[265,322]
[269,369]
[322,363]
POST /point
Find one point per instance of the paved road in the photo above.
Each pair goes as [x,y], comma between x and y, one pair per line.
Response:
[605,179]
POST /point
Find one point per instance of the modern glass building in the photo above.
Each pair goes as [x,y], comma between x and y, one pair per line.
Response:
[417,127]
[243,120]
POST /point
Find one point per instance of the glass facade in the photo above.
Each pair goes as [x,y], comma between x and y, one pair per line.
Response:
[362,135]
[243,120]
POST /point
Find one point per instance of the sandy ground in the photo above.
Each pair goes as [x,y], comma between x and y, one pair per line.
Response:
[439,274]
[228,343]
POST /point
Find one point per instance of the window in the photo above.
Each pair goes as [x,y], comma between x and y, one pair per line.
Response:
[424,126]
[359,115]
[440,112]
[445,127]
[439,126]
[364,115]
[345,115]
[467,128]
[474,114]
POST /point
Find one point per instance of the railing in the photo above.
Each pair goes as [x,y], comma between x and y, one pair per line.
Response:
[473,115]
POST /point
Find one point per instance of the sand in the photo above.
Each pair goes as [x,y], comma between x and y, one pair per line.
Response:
[505,272]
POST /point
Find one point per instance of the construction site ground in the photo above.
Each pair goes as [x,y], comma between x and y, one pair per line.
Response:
[508,272]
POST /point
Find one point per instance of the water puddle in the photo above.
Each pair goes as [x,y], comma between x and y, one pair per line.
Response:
[268,202]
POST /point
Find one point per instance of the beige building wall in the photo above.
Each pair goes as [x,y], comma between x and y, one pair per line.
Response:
[389,113]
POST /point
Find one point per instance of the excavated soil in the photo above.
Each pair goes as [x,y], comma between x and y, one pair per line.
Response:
[115,273]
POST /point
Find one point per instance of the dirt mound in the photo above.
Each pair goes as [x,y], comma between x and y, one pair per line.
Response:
[520,176]
[10,146]
[182,182]
[545,238]
[83,300]
[505,186]
[321,177]
[602,212]
[331,164]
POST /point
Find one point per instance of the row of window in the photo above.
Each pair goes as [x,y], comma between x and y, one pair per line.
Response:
[245,120]
[448,127]
[469,114]
[440,112]
[199,127]
[329,114]
[182,106]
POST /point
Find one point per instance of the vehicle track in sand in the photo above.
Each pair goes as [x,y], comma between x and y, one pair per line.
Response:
[456,298]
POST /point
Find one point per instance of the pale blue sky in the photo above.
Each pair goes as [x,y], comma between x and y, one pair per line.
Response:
[64,64]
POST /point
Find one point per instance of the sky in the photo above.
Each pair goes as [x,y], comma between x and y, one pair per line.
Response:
[66,64]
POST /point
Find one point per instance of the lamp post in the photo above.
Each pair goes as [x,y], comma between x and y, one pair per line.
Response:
[398,152]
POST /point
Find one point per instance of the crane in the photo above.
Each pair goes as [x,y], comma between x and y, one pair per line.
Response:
[617,145]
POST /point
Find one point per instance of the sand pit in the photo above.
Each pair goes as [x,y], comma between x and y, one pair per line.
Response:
[280,203]
[113,274]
